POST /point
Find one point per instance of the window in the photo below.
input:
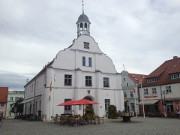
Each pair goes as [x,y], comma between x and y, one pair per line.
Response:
[86,45]
[152,80]
[131,94]
[16,98]
[107,104]
[168,89]
[11,98]
[67,79]
[2,104]
[11,105]
[88,80]
[85,25]
[81,25]
[127,84]
[125,94]
[106,82]
[124,79]
[154,91]
[84,61]
[90,62]
[175,76]
[145,91]
[67,108]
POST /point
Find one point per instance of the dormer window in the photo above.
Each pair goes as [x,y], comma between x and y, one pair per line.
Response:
[175,76]
[86,45]
[152,80]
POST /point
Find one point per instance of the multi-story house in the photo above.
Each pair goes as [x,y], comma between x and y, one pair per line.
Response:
[160,92]
[3,101]
[13,96]
[130,84]
[80,71]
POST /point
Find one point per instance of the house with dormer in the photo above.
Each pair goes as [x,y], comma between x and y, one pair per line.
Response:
[160,91]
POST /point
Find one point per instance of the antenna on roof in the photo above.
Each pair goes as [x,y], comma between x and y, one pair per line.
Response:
[82,6]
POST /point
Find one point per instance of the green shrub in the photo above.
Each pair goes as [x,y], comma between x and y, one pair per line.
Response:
[112,112]
[89,111]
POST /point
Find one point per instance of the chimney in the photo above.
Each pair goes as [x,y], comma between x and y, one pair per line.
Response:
[175,57]
[27,81]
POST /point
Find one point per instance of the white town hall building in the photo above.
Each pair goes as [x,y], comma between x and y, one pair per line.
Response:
[80,71]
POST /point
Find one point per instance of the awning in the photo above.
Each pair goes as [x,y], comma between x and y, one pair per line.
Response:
[148,102]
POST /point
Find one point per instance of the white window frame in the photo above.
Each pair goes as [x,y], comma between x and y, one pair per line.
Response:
[154,91]
[146,91]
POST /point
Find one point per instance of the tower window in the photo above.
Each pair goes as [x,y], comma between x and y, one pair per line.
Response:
[85,25]
[81,25]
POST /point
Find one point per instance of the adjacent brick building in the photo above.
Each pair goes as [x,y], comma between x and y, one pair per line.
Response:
[3,101]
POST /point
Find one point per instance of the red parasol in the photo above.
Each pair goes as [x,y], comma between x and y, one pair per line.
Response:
[84,102]
[70,102]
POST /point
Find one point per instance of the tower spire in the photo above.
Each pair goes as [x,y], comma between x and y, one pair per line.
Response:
[82,6]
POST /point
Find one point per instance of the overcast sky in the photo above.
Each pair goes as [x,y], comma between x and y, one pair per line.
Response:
[141,34]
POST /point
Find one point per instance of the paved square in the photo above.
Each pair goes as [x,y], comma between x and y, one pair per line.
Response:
[138,126]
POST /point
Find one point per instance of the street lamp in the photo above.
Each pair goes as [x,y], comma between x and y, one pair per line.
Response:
[143,100]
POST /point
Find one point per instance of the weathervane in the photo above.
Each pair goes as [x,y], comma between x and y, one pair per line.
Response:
[124,67]
[82,6]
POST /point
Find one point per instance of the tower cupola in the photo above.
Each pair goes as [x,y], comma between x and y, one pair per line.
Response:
[83,24]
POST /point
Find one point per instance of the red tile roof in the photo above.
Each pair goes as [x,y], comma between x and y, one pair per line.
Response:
[3,94]
[162,73]
[137,78]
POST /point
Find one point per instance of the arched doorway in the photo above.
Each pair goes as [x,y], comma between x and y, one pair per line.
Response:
[88,98]
[84,106]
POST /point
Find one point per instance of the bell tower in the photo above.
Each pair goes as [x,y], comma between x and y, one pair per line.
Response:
[83,24]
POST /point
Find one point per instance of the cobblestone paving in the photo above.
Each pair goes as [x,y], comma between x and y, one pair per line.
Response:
[138,126]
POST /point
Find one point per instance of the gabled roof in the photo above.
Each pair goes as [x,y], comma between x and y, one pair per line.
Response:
[3,94]
[162,73]
[137,78]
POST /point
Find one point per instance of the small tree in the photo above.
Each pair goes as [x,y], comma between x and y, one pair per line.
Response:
[112,112]
[17,107]
[89,111]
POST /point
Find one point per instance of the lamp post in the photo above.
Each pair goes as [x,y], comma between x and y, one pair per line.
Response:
[143,100]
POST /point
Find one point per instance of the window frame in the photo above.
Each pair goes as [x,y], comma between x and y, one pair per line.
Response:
[131,94]
[106,82]
[83,61]
[67,108]
[154,91]
[90,62]
[168,89]
[88,80]
[107,104]
[67,80]
[146,91]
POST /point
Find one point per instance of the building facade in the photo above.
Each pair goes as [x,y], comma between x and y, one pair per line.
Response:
[130,85]
[80,71]
[3,101]
[160,92]
[13,96]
